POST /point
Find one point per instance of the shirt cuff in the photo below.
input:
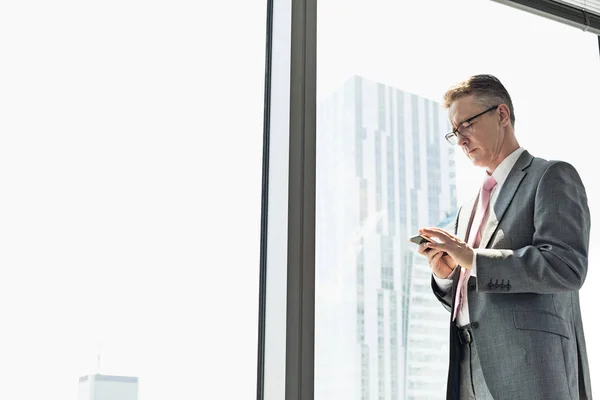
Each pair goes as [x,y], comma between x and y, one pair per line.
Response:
[474,264]
[445,284]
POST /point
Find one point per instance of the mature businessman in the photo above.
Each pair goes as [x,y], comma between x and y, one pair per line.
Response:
[510,274]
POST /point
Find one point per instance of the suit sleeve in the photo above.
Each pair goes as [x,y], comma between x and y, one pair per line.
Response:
[445,297]
[444,293]
[557,259]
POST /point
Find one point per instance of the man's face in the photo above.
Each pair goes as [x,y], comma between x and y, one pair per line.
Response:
[482,138]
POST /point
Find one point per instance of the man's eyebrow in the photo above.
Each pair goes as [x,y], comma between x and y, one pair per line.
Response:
[461,122]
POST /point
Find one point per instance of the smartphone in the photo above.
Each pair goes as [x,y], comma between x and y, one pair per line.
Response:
[418,239]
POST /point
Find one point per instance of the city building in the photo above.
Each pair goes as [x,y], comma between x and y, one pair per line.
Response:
[108,387]
[383,170]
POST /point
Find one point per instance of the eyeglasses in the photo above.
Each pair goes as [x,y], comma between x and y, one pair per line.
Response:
[465,128]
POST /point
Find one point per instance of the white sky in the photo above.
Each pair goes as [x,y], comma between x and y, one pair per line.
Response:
[130,167]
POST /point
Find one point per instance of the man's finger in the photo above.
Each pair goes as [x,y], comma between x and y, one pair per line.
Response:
[430,253]
[435,232]
[435,259]
[439,247]
[430,256]
[423,249]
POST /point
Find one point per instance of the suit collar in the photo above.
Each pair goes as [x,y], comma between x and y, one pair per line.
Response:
[507,192]
[524,161]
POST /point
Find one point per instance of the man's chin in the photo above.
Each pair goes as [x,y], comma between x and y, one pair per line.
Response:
[477,162]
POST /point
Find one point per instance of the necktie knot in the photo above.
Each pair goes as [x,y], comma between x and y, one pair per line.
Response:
[489,183]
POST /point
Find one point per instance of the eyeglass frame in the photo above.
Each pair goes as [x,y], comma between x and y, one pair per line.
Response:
[456,132]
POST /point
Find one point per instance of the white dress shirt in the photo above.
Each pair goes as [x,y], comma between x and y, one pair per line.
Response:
[500,174]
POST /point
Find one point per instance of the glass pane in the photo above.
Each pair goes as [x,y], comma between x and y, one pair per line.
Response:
[130,206]
[276,255]
[384,169]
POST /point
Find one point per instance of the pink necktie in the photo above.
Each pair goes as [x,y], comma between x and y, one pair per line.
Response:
[474,237]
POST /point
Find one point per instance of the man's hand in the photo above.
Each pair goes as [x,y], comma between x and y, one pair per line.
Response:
[459,251]
[440,262]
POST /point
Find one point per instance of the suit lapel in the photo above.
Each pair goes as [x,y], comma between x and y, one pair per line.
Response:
[464,222]
[507,192]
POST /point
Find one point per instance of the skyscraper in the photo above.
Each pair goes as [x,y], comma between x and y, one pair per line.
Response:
[383,171]
[427,332]
[108,387]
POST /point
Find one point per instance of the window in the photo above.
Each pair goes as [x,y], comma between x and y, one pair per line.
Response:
[130,208]
[382,70]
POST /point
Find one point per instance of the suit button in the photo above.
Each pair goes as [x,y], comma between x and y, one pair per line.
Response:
[471,286]
[475,325]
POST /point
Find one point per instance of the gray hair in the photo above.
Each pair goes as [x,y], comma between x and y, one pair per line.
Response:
[487,91]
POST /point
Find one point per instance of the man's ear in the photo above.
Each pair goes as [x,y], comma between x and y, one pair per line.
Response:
[504,113]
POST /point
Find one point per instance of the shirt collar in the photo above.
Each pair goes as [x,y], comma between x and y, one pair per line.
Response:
[501,172]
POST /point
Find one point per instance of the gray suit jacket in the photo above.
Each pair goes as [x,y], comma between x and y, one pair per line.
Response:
[524,302]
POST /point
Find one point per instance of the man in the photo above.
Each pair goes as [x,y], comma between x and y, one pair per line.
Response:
[510,274]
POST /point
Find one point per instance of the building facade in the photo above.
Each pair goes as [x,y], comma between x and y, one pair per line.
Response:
[383,171]
[108,387]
